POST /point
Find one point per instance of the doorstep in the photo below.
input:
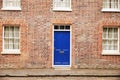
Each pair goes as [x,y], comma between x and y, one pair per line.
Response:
[62,68]
[60,73]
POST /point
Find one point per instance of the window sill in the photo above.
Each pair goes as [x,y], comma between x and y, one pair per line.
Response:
[10,52]
[11,8]
[110,53]
[110,10]
[62,9]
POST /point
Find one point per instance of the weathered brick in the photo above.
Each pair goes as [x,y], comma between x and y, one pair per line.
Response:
[36,20]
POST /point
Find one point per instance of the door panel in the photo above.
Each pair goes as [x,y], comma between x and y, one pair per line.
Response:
[61,47]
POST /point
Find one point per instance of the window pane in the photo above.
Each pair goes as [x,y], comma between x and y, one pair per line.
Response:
[6,32]
[16,35]
[57,3]
[110,30]
[11,32]
[115,30]
[6,41]
[16,41]
[105,4]
[62,3]
[105,33]
[116,36]
[16,32]
[11,46]
[115,44]
[67,27]
[68,3]
[11,43]
[6,28]
[114,4]
[104,44]
[6,45]
[116,33]
[110,4]
[11,3]
[61,27]
[16,29]
[16,3]
[56,27]
[16,46]
[111,45]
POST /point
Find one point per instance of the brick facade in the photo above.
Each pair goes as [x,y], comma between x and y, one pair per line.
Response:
[36,20]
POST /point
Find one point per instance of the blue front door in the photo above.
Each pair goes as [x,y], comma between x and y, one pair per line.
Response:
[61,47]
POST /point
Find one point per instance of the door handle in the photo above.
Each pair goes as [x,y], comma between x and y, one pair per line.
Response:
[61,51]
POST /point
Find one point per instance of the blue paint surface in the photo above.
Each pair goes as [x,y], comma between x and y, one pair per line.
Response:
[62,48]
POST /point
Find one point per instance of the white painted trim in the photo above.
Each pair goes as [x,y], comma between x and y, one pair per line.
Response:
[3,39]
[61,30]
[119,4]
[11,52]
[70,46]
[56,66]
[110,10]
[110,52]
[62,9]
[118,40]
[11,8]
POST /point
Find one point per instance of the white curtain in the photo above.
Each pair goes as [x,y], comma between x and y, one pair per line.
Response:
[11,37]
[11,3]
[110,4]
[62,3]
[106,3]
[6,37]
[67,4]
[114,4]
[16,37]
[4,3]
[17,3]
[110,38]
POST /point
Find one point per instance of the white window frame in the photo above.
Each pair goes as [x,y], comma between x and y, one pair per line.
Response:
[11,6]
[10,51]
[61,8]
[111,9]
[111,52]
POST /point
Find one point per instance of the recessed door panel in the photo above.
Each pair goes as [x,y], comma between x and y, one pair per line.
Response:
[61,47]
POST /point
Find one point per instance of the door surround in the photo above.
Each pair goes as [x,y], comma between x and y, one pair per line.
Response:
[53,30]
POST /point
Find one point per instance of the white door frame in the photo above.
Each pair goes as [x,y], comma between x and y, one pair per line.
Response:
[53,48]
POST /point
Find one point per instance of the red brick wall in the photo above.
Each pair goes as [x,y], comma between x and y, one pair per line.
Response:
[12,60]
[36,20]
